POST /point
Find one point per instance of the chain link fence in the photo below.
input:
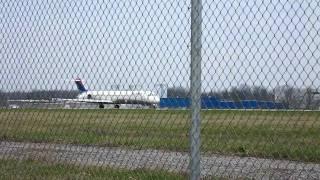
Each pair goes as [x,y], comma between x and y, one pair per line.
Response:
[160,90]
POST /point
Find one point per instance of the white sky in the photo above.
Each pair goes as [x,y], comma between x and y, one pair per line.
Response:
[46,44]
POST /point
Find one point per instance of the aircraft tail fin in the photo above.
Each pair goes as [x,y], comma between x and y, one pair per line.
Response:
[80,85]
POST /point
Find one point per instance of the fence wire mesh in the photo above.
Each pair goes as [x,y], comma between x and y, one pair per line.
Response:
[93,89]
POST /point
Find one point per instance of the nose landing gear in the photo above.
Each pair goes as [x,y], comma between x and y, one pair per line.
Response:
[153,106]
[101,106]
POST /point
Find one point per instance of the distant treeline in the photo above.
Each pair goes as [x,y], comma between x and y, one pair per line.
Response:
[243,93]
[3,99]
[36,95]
[233,94]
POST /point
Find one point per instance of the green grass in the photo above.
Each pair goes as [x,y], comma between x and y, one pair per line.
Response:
[272,134]
[30,169]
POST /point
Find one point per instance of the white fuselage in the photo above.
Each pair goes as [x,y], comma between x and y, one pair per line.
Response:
[121,97]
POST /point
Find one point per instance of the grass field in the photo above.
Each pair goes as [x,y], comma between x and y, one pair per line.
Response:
[30,169]
[272,134]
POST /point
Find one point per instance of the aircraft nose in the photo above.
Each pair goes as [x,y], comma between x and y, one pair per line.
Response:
[154,99]
[157,99]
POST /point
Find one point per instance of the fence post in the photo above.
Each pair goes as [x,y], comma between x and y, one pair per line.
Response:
[196,31]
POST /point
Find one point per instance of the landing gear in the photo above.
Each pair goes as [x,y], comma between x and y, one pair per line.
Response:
[153,106]
[117,106]
[101,106]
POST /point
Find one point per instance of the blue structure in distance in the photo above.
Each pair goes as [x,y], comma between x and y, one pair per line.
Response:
[216,103]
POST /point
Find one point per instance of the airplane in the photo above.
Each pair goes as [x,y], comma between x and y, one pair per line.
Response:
[147,98]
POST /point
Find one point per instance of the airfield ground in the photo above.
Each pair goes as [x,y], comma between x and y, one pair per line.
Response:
[31,169]
[275,134]
[67,159]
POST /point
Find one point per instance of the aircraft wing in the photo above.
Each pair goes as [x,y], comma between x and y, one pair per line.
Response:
[29,100]
[100,101]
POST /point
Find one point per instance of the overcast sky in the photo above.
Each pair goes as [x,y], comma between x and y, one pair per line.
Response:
[46,44]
